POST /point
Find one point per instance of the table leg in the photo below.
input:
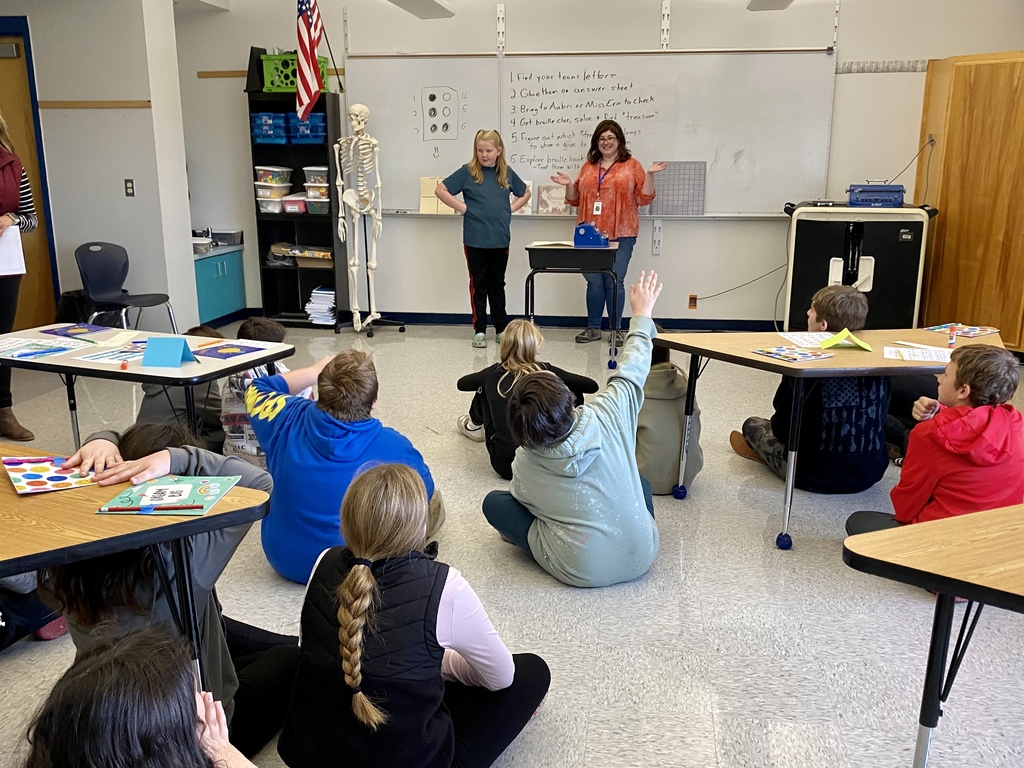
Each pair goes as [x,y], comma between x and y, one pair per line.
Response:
[612,351]
[784,540]
[186,602]
[931,705]
[190,412]
[69,384]
[528,300]
[679,490]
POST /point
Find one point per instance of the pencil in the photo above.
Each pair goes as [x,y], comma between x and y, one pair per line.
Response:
[211,343]
[155,507]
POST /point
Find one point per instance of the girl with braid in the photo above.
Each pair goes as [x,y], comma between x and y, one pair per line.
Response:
[423,677]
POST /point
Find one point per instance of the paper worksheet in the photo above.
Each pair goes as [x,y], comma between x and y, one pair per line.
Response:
[807,339]
[12,256]
[918,354]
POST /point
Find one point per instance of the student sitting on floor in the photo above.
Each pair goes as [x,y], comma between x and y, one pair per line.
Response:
[166,405]
[842,445]
[314,449]
[487,413]
[660,426]
[967,452]
[239,439]
[249,669]
[131,700]
[577,503]
[438,688]
[22,613]
[899,421]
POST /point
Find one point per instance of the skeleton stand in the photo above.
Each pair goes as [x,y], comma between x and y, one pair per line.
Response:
[373,319]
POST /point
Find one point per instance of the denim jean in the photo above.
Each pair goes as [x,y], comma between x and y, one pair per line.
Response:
[600,287]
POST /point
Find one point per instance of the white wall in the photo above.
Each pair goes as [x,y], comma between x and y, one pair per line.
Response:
[97,50]
[876,121]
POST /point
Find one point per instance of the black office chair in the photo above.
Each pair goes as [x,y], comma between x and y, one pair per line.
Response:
[104,268]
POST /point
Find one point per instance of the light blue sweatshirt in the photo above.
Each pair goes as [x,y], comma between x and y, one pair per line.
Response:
[593,527]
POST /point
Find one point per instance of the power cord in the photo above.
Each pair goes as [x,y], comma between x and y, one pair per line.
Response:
[741,285]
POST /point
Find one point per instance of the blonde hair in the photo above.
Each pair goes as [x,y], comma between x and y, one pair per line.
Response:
[500,166]
[347,386]
[519,344]
[383,514]
[5,136]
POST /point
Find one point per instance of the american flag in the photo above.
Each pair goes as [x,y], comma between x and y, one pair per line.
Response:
[307,69]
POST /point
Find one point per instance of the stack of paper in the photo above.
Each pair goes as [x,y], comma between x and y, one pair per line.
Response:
[320,306]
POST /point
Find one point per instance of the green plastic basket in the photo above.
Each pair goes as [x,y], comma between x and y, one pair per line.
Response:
[279,72]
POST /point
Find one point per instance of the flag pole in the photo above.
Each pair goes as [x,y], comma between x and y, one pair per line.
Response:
[330,51]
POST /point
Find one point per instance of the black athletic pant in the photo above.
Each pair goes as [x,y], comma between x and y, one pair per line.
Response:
[21,615]
[9,287]
[486,722]
[265,663]
[487,284]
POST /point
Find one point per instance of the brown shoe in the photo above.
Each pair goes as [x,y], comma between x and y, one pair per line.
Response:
[11,429]
[739,444]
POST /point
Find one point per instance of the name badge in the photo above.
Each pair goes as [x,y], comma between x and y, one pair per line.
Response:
[597,207]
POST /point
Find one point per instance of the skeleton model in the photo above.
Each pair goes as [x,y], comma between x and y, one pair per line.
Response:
[357,160]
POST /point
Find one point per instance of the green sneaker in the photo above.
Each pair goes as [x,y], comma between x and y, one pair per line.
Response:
[479,341]
[498,337]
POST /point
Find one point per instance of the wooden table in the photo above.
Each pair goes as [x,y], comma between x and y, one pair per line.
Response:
[565,258]
[978,556]
[68,366]
[59,527]
[846,362]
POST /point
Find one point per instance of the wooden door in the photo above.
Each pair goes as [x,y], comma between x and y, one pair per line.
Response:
[36,302]
[978,272]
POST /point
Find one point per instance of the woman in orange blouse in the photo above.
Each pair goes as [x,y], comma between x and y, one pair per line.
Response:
[609,189]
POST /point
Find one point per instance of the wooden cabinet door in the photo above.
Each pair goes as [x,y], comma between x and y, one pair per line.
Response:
[977,271]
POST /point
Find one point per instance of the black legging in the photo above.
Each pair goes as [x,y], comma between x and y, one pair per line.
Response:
[265,663]
[9,287]
[486,722]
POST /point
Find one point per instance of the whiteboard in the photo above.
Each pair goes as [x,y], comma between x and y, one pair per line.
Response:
[759,120]
[413,141]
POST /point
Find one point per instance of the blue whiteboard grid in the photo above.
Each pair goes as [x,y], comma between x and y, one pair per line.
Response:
[680,189]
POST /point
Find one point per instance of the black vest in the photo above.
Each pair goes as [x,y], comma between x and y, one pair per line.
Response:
[401,670]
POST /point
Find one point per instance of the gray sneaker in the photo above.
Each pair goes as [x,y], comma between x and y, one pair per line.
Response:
[618,338]
[587,335]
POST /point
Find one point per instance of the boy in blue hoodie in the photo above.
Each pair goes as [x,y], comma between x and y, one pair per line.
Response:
[577,502]
[315,448]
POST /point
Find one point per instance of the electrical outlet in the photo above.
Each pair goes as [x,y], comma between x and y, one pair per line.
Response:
[693,301]
[931,138]
[129,187]
[656,238]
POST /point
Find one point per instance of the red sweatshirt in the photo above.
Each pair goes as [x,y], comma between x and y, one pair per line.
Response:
[962,460]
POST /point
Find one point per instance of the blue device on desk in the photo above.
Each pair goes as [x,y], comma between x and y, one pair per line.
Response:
[876,195]
[588,236]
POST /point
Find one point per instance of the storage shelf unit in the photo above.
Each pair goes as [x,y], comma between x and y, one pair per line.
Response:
[286,289]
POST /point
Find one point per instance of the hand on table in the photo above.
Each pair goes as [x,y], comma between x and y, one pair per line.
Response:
[96,455]
[138,471]
[644,293]
[924,408]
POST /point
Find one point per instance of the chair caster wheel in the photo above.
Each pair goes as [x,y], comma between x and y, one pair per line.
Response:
[679,491]
[401,329]
[612,365]
[369,334]
[784,541]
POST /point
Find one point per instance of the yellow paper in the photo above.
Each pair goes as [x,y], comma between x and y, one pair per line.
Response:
[845,335]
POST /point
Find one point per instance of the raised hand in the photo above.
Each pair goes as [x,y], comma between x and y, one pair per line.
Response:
[561,178]
[657,167]
[644,293]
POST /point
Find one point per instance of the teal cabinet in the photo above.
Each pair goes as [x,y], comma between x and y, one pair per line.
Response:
[220,282]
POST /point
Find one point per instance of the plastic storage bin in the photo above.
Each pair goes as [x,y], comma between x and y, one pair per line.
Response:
[269,118]
[226,236]
[201,245]
[318,205]
[273,174]
[279,72]
[274,191]
[315,174]
[271,205]
[294,203]
[317,191]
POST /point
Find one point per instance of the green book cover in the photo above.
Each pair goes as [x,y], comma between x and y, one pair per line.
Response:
[170,495]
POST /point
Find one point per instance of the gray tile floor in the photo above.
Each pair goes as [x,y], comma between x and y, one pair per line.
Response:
[728,653]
